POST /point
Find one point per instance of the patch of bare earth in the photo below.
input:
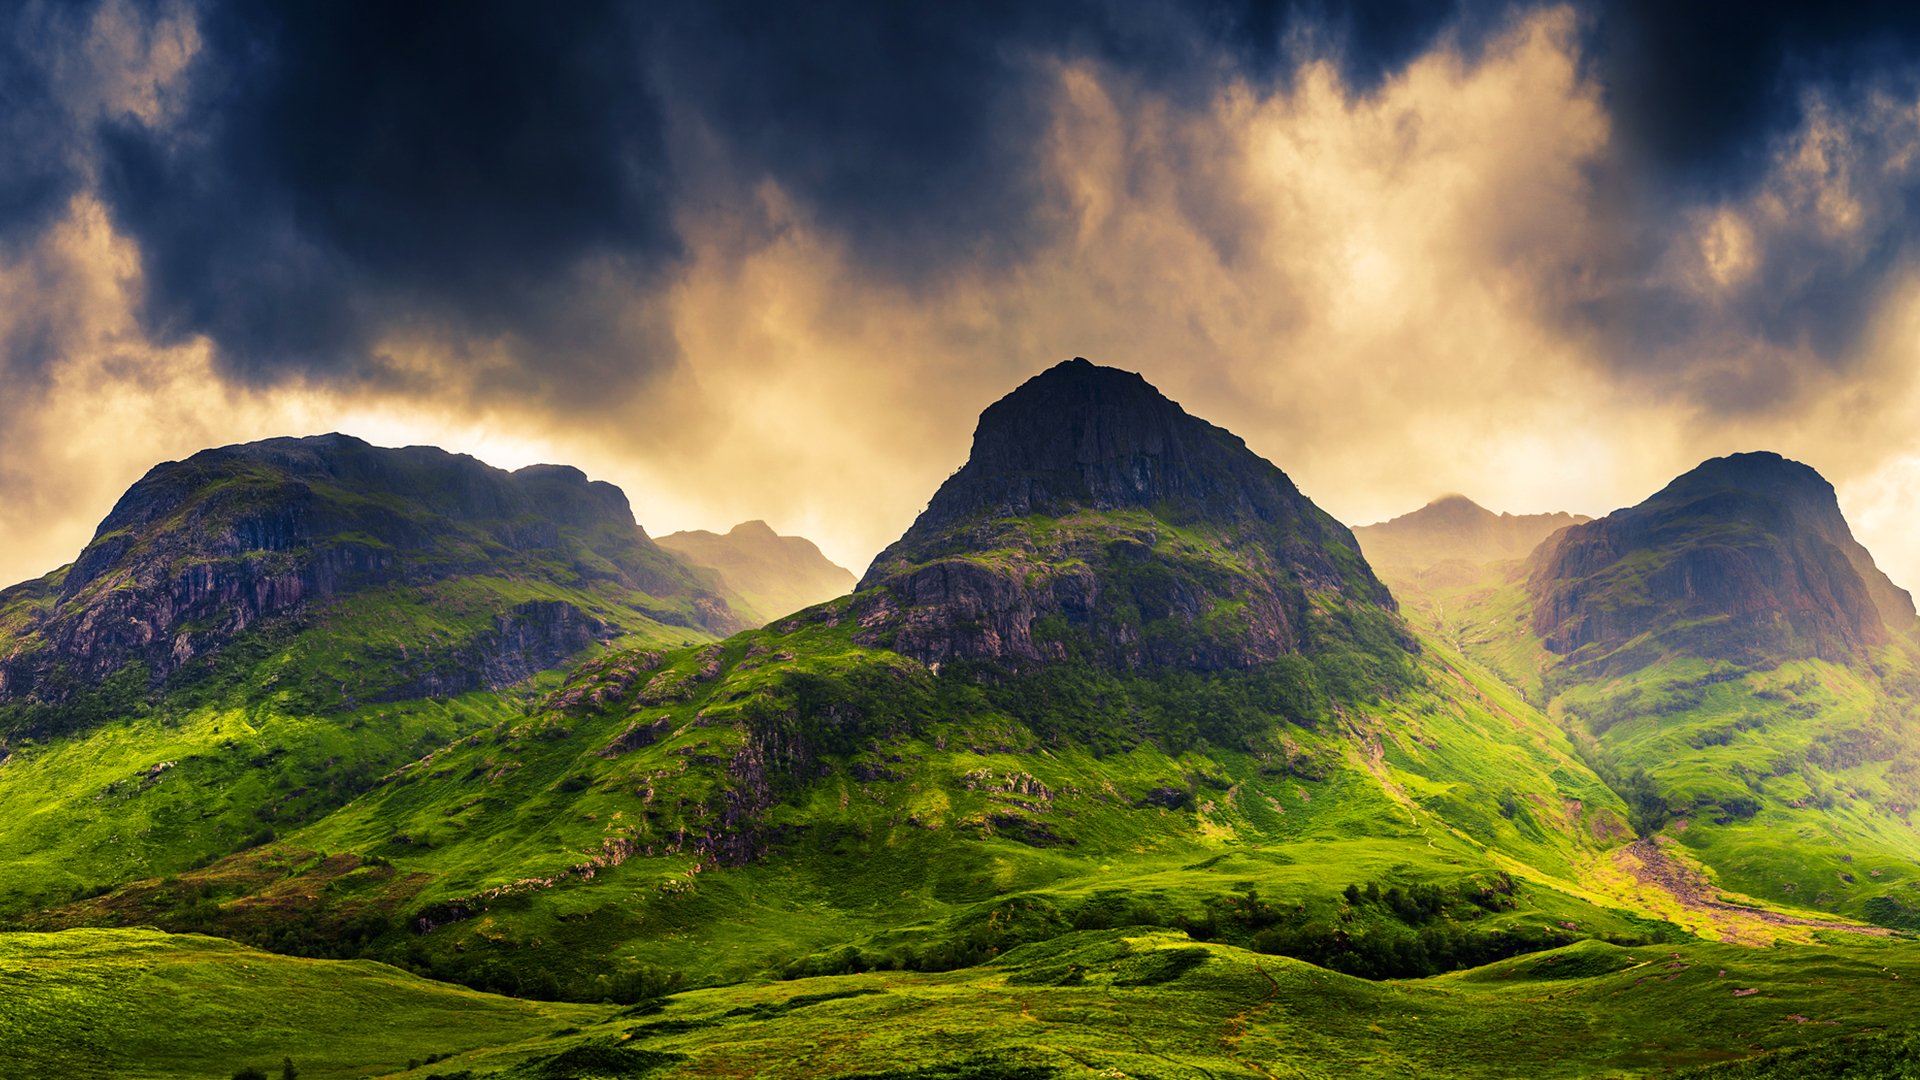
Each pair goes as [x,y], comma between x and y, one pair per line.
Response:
[1654,867]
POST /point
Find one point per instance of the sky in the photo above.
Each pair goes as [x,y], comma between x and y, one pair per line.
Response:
[769,260]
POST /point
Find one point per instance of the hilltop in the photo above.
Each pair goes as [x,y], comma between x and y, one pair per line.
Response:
[1096,518]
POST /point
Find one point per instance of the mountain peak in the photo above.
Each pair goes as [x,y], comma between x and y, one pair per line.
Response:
[1760,472]
[1093,502]
[201,551]
[769,574]
[1082,436]
[1745,557]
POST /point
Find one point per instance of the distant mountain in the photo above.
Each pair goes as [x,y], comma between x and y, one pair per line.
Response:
[1455,527]
[773,575]
[1746,557]
[1096,517]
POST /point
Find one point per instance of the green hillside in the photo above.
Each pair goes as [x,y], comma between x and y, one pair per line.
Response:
[1187,705]
[256,635]
[1131,1002]
[1778,750]
[140,1004]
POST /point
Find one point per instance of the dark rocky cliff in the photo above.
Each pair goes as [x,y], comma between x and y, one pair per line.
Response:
[1745,558]
[200,551]
[1095,516]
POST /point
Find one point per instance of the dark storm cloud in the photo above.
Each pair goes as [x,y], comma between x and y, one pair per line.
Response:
[37,165]
[1699,89]
[511,180]
[342,167]
[338,170]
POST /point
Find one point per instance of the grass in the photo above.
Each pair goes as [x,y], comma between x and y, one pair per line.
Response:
[588,840]
[1132,1002]
[141,1004]
[1792,782]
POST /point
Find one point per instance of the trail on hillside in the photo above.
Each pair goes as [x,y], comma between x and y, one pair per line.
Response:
[1652,866]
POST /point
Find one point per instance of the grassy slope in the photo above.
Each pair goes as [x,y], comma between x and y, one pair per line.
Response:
[1129,1002]
[1793,785]
[929,841]
[140,1004]
[260,739]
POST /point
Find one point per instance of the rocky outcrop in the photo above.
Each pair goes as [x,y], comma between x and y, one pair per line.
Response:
[1745,558]
[200,551]
[1095,517]
[771,575]
[1454,527]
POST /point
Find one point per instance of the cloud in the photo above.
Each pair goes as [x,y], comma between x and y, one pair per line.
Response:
[751,265]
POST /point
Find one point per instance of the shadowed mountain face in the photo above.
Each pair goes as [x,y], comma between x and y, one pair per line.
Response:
[1745,558]
[1096,516]
[771,574]
[268,534]
[1454,527]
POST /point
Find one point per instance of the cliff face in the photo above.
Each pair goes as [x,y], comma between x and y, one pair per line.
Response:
[1454,527]
[1745,558]
[773,575]
[200,551]
[1095,516]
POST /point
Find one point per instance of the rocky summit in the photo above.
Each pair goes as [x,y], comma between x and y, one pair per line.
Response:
[268,536]
[1096,517]
[1745,558]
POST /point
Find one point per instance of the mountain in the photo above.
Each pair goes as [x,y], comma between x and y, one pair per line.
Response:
[1744,558]
[772,575]
[1120,759]
[257,633]
[1121,672]
[1728,658]
[1454,527]
[273,535]
[1096,517]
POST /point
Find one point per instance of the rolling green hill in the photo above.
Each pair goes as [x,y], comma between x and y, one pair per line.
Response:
[1135,1002]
